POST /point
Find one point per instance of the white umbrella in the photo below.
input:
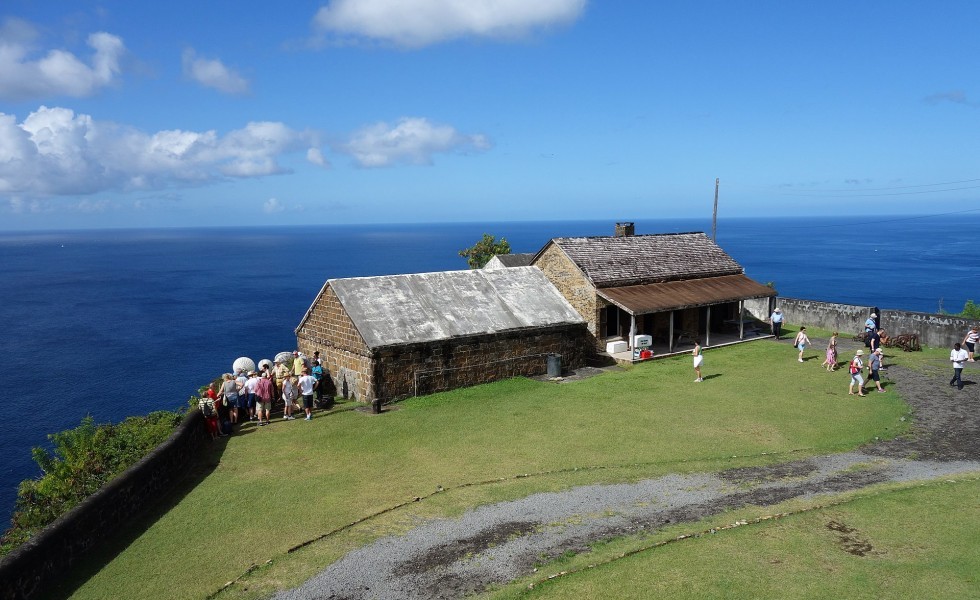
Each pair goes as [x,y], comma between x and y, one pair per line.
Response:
[243,363]
[265,362]
[285,358]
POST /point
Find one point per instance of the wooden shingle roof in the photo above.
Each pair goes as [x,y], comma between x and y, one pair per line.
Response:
[639,259]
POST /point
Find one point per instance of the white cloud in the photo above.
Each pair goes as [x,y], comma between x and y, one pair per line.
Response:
[56,152]
[273,205]
[315,156]
[24,75]
[416,23]
[412,141]
[213,73]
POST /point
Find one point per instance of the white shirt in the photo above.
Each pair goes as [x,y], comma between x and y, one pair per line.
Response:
[959,358]
[306,383]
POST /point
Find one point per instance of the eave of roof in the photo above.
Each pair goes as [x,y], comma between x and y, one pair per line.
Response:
[675,295]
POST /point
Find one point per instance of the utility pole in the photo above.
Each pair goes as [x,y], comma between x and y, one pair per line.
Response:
[714,215]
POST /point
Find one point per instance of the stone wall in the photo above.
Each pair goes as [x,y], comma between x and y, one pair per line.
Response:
[576,288]
[462,362]
[940,331]
[329,330]
[35,565]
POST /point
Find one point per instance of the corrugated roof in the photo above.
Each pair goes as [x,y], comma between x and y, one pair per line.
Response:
[424,307]
[673,295]
[631,260]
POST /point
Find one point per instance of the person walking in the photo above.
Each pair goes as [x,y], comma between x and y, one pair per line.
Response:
[801,342]
[855,369]
[874,365]
[776,322]
[959,357]
[698,360]
[831,361]
[970,340]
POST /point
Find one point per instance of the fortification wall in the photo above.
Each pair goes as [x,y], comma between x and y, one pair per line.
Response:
[31,568]
[939,331]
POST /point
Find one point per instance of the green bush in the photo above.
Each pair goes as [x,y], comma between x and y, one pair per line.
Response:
[970,310]
[82,460]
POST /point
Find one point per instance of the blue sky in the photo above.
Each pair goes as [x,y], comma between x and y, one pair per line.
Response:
[133,114]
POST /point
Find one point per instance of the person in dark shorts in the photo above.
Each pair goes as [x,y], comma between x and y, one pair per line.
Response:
[306,387]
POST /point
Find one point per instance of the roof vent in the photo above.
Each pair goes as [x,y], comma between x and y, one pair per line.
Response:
[624,229]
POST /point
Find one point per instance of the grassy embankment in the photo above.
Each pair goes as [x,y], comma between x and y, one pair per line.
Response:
[272,488]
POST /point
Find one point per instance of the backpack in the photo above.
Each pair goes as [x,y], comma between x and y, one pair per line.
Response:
[207,407]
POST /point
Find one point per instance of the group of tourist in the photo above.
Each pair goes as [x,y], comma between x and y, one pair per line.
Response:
[250,396]
[874,337]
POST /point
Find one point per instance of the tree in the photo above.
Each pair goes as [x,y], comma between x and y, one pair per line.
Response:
[481,252]
[970,310]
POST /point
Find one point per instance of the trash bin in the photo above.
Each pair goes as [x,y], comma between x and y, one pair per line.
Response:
[554,365]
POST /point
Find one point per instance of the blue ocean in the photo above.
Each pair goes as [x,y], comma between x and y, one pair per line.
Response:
[116,323]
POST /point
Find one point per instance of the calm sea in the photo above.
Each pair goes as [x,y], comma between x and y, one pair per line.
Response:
[114,323]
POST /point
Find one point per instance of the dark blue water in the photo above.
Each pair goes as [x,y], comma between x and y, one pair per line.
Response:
[113,323]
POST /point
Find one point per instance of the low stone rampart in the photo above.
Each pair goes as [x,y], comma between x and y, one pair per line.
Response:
[35,565]
[940,331]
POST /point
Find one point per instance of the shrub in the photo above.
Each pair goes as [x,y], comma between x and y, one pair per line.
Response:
[81,461]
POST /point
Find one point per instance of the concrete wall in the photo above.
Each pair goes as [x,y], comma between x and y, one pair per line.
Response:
[940,331]
[31,568]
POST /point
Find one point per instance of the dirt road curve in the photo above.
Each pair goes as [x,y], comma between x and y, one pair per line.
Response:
[498,543]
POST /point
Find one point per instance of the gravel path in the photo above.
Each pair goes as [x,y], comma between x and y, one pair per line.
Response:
[449,558]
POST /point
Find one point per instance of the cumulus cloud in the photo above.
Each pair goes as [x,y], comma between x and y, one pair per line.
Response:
[416,23]
[57,152]
[212,73]
[315,156]
[24,75]
[411,141]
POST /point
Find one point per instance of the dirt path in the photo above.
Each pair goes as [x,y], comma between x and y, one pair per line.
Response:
[498,543]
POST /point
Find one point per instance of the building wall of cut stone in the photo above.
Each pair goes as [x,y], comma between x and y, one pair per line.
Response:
[576,288]
[330,330]
[416,369]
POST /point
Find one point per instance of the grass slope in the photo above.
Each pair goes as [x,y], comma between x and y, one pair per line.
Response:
[275,487]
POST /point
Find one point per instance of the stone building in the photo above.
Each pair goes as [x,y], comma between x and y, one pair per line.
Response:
[401,335]
[671,287]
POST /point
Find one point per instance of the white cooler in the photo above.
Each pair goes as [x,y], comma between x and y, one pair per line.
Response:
[614,347]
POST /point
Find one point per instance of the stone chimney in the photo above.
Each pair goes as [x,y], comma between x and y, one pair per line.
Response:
[624,229]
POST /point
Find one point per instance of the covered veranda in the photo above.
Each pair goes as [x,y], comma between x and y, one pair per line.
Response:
[674,314]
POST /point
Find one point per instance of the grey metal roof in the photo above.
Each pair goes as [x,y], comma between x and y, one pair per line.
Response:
[425,307]
[637,259]
[515,260]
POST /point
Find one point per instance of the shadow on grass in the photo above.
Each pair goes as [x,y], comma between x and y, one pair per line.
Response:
[107,550]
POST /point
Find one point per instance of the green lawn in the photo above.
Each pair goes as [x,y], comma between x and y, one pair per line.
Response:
[883,543]
[275,487]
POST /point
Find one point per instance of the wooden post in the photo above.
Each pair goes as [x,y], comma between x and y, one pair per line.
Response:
[670,335]
[707,328]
